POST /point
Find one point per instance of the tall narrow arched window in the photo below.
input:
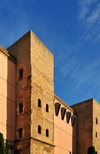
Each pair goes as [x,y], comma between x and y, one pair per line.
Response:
[39,103]
[47,133]
[39,129]
[96,134]
[96,120]
[47,108]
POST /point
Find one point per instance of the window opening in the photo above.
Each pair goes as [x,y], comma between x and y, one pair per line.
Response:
[96,134]
[47,132]
[73,119]
[39,103]
[20,74]
[68,115]
[39,129]
[57,108]
[20,108]
[63,111]
[47,108]
[96,120]
[20,133]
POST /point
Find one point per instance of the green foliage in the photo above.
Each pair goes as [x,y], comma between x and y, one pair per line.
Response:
[2,148]
[91,150]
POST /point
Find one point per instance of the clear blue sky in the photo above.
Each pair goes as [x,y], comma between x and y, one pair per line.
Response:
[71,31]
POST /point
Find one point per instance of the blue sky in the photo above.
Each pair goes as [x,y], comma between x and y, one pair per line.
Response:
[71,31]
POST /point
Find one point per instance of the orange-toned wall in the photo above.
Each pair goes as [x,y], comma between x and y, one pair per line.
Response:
[7,96]
[64,133]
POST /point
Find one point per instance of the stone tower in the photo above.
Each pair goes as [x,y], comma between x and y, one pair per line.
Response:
[34,96]
[88,125]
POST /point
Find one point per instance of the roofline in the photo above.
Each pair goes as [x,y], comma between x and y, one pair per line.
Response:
[5,52]
[55,96]
[91,99]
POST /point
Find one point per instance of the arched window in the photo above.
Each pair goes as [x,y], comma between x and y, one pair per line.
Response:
[96,120]
[47,133]
[47,108]
[96,134]
[39,103]
[39,129]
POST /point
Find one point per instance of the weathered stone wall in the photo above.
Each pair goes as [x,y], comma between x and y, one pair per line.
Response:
[84,112]
[43,89]
[21,51]
[39,147]
[36,61]
[96,125]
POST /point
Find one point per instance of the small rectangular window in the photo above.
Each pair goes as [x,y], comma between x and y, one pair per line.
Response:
[39,129]
[20,133]
[39,103]
[96,120]
[20,74]
[47,133]
[96,134]
[20,108]
[47,108]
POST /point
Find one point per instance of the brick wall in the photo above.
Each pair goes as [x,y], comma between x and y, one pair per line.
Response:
[43,89]
[84,112]
[21,51]
[36,62]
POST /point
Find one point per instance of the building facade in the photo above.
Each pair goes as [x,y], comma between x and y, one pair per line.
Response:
[7,98]
[88,124]
[33,119]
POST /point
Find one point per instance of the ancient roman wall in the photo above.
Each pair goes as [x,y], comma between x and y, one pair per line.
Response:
[21,51]
[96,125]
[84,112]
[42,117]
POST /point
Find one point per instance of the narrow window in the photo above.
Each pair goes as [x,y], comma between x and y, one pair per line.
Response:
[47,133]
[96,134]
[96,120]
[39,129]
[57,108]
[47,108]
[39,103]
[20,74]
[68,115]
[73,119]
[63,111]
[20,108]
[20,133]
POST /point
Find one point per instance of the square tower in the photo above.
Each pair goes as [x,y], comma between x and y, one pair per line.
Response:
[88,124]
[34,95]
